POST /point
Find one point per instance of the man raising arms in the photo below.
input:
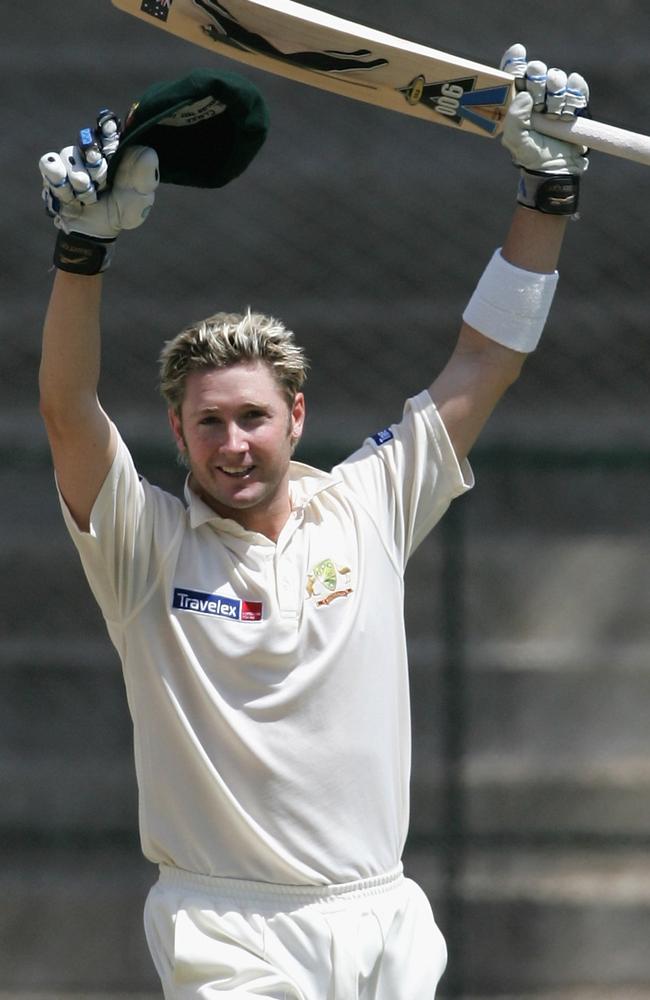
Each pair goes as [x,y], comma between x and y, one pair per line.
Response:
[260,623]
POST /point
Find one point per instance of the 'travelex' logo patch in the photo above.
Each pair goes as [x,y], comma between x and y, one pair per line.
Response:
[216,605]
[327,581]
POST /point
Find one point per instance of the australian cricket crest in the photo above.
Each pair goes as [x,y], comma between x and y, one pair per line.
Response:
[327,581]
[459,101]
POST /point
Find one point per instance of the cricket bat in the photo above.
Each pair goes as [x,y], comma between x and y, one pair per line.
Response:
[314,47]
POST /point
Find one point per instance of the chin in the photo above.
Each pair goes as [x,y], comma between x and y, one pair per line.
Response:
[242,501]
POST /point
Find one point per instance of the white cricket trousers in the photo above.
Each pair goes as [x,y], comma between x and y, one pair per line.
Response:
[375,939]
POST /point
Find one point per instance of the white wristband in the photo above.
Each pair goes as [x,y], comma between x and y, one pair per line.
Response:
[511,305]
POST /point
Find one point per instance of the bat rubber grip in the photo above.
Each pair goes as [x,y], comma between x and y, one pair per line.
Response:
[596,135]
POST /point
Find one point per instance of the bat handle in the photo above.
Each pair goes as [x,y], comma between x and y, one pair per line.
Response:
[596,135]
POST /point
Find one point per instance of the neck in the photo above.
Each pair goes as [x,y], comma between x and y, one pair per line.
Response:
[268,521]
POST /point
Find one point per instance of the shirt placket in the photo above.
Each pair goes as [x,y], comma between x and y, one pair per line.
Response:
[288,569]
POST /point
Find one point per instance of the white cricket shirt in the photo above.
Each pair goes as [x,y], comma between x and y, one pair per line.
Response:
[267,682]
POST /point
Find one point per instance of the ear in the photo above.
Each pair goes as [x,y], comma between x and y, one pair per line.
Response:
[177,430]
[297,417]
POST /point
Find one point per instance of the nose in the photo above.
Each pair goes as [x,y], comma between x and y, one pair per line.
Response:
[234,441]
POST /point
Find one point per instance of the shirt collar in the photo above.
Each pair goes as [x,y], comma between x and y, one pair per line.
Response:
[305,482]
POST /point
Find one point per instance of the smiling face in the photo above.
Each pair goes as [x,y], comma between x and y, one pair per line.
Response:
[237,432]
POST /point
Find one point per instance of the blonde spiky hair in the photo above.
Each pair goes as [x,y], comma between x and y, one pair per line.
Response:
[226,339]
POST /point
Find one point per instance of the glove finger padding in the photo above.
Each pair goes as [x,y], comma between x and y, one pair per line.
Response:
[514,60]
[549,91]
[78,176]
[535,80]
[125,206]
[56,186]
[556,84]
[577,95]
[529,76]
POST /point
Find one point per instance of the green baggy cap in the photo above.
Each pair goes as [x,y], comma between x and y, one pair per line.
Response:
[205,127]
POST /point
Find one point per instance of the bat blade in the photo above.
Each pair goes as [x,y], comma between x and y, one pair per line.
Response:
[311,46]
[302,43]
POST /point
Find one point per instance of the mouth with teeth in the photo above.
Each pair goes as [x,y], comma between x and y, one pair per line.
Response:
[236,473]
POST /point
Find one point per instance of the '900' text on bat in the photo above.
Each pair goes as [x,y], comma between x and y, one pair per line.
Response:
[331,53]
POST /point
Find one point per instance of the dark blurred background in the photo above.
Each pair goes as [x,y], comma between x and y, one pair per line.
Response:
[528,607]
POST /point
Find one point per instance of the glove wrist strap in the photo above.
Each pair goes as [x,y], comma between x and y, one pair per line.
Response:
[80,254]
[553,194]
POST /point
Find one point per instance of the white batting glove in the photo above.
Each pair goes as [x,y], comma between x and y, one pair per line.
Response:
[550,168]
[89,216]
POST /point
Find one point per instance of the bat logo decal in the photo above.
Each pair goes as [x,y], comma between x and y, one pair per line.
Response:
[156,8]
[226,28]
[459,101]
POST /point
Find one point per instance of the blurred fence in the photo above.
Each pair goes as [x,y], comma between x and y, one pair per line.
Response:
[546,679]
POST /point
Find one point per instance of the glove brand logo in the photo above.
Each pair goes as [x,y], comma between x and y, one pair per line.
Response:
[64,258]
[216,605]
[71,251]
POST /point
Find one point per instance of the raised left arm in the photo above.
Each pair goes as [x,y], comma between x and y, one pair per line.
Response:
[480,369]
[506,315]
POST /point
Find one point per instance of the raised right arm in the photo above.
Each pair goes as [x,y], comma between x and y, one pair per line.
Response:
[89,217]
[82,438]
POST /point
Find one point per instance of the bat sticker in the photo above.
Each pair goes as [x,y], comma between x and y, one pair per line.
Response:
[226,28]
[156,8]
[457,100]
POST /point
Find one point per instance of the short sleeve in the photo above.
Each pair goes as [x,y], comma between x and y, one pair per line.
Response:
[131,526]
[406,476]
